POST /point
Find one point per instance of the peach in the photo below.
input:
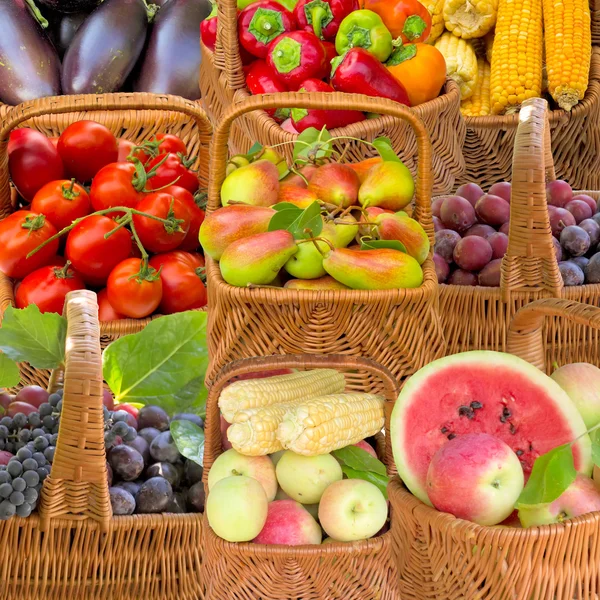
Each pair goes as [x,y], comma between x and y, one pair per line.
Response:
[581,381]
[363,445]
[232,463]
[290,524]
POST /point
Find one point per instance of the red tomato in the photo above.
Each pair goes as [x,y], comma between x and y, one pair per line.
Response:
[32,161]
[134,289]
[105,310]
[191,240]
[162,237]
[93,256]
[116,185]
[169,170]
[181,275]
[20,233]
[47,287]
[62,202]
[85,147]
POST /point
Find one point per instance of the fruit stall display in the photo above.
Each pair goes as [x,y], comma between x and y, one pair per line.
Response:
[321,46]
[298,469]
[79,459]
[373,299]
[127,154]
[99,46]
[502,475]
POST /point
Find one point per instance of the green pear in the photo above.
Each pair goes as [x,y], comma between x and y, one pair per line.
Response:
[256,184]
[380,269]
[388,185]
[307,263]
[345,231]
[257,259]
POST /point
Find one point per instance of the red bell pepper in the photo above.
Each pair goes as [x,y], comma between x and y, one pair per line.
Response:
[260,23]
[208,29]
[297,56]
[330,55]
[323,16]
[359,72]
[304,118]
[261,80]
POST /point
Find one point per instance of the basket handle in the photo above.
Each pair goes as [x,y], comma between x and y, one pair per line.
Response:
[212,431]
[58,105]
[227,49]
[327,101]
[77,487]
[526,332]
[530,262]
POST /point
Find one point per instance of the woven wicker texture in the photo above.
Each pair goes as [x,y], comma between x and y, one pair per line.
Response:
[390,326]
[136,117]
[575,141]
[342,571]
[441,118]
[74,549]
[529,270]
[436,553]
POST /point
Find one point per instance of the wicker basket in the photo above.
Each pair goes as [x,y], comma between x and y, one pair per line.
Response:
[360,570]
[389,326]
[222,83]
[136,117]
[434,551]
[74,549]
[575,140]
[478,317]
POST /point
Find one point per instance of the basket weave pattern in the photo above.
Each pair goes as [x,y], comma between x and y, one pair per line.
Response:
[444,558]
[390,326]
[360,570]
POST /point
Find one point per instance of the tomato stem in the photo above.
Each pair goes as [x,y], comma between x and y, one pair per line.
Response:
[64,273]
[136,237]
[69,193]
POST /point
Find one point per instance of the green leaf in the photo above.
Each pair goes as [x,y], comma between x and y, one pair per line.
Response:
[284,218]
[27,335]
[309,219]
[384,147]
[137,405]
[312,143]
[191,398]
[381,481]
[9,372]
[366,244]
[158,364]
[595,437]
[360,460]
[552,474]
[256,149]
[285,206]
[189,439]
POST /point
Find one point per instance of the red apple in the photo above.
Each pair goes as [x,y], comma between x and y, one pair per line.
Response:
[289,524]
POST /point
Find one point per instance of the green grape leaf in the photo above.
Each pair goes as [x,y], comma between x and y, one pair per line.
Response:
[381,481]
[189,439]
[384,147]
[551,475]
[309,219]
[158,364]
[367,244]
[29,336]
[313,144]
[360,460]
[284,218]
[9,372]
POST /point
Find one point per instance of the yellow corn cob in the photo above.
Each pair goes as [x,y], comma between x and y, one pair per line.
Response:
[568,49]
[436,9]
[478,105]
[489,44]
[280,389]
[517,58]
[321,425]
[470,18]
[461,62]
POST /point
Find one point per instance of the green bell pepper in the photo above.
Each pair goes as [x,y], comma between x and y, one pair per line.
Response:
[364,29]
[289,4]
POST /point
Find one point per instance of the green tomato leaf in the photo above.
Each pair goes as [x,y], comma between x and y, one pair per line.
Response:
[189,439]
[284,218]
[384,147]
[29,336]
[551,475]
[158,364]
[360,460]
[381,481]
[9,372]
[309,219]
[312,143]
[367,244]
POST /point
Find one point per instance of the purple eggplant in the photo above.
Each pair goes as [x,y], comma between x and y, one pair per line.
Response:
[70,6]
[64,28]
[29,65]
[172,58]
[106,47]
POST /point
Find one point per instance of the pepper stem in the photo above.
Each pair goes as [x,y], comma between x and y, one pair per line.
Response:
[37,15]
[318,16]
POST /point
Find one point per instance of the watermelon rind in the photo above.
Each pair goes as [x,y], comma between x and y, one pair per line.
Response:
[413,387]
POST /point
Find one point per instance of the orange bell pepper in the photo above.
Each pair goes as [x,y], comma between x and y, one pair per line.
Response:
[407,19]
[421,69]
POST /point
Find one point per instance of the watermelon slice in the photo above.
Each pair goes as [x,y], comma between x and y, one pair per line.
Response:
[482,392]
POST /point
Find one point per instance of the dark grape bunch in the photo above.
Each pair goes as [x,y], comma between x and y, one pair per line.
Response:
[119,427]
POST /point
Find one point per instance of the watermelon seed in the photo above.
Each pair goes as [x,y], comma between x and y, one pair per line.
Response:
[519,452]
[530,447]
[465,411]
[451,436]
[506,413]
[503,419]
[475,405]
[513,429]
[444,429]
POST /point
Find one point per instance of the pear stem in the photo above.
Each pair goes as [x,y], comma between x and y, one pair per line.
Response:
[314,240]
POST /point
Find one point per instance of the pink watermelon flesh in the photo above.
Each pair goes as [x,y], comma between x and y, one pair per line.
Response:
[482,392]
